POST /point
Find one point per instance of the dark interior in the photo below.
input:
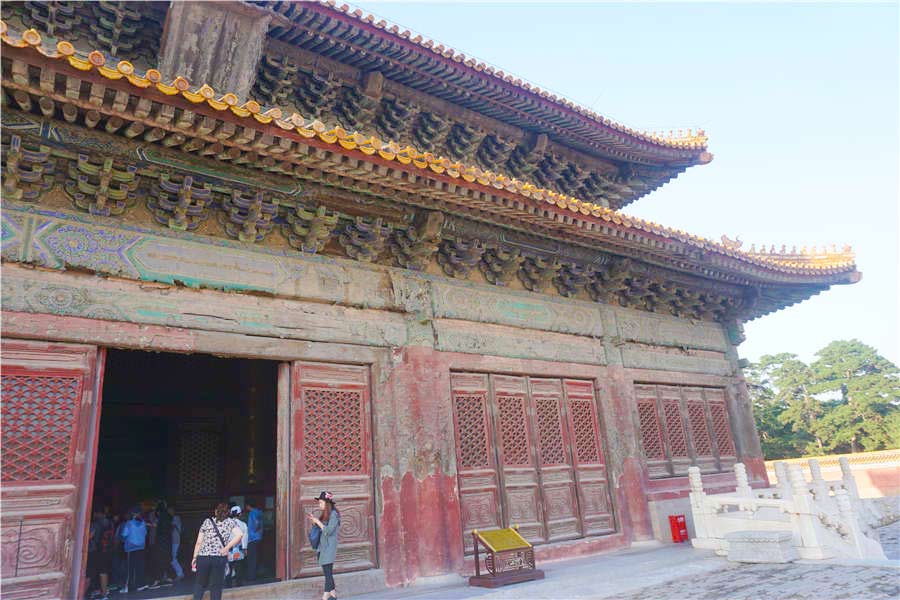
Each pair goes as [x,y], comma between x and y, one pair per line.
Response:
[192,430]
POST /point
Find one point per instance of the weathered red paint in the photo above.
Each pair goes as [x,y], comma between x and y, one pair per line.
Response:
[45,505]
[418,514]
[419,528]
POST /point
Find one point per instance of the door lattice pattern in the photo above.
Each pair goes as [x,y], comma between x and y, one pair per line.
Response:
[473,452]
[699,430]
[198,463]
[333,420]
[38,417]
[721,429]
[650,435]
[585,437]
[675,429]
[512,430]
[549,426]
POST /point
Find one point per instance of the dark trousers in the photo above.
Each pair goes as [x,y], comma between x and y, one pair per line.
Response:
[237,576]
[251,560]
[329,577]
[210,573]
[135,561]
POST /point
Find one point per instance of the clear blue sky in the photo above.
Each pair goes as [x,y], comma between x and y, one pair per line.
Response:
[800,102]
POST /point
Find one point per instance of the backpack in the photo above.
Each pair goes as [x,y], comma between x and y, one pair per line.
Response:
[315,534]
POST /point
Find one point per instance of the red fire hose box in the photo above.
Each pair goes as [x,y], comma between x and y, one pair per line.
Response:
[678,526]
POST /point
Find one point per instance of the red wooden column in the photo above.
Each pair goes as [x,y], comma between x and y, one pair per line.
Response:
[631,493]
[50,422]
[419,527]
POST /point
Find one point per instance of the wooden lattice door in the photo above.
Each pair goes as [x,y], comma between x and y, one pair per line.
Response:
[331,449]
[561,511]
[479,486]
[515,443]
[591,474]
[529,453]
[49,425]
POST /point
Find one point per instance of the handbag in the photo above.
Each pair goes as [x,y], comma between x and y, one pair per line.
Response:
[315,534]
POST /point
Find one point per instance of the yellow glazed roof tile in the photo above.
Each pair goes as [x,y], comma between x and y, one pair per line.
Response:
[828,263]
[680,140]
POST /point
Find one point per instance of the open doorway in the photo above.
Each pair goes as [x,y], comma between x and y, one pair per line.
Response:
[190,430]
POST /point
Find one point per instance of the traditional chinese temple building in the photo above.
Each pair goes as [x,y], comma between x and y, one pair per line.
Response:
[259,249]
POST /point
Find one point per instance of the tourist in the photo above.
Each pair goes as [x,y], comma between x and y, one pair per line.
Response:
[134,537]
[329,521]
[100,544]
[161,551]
[218,535]
[119,564]
[177,526]
[255,534]
[238,554]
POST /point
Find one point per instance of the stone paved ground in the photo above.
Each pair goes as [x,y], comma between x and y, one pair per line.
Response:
[678,572]
[781,582]
[890,540]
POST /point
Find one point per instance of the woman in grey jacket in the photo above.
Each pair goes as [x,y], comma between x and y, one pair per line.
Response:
[329,521]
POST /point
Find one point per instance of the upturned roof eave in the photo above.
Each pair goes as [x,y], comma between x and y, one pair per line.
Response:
[565,214]
[691,150]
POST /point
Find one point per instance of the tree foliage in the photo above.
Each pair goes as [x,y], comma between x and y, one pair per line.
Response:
[847,400]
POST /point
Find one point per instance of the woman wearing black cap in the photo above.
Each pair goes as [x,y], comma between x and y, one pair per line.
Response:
[329,521]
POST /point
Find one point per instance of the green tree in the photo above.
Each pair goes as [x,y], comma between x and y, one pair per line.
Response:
[848,400]
[862,392]
[777,439]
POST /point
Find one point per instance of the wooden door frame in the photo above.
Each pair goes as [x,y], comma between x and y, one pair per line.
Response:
[156,338]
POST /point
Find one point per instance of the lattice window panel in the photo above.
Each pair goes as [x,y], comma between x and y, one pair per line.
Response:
[333,426]
[39,413]
[675,429]
[550,428]
[650,433]
[470,421]
[513,433]
[721,429]
[699,428]
[198,463]
[585,431]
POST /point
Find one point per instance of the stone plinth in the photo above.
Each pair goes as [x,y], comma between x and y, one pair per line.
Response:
[761,547]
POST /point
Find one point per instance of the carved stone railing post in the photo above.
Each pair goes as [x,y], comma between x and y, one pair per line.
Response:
[818,482]
[848,478]
[803,516]
[743,484]
[698,506]
[781,474]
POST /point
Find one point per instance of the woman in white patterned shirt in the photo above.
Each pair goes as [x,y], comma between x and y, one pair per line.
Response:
[218,534]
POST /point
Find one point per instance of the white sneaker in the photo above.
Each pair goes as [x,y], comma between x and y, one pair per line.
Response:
[124,590]
[142,588]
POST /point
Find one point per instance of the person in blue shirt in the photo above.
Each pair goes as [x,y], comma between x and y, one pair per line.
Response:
[255,530]
[134,538]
